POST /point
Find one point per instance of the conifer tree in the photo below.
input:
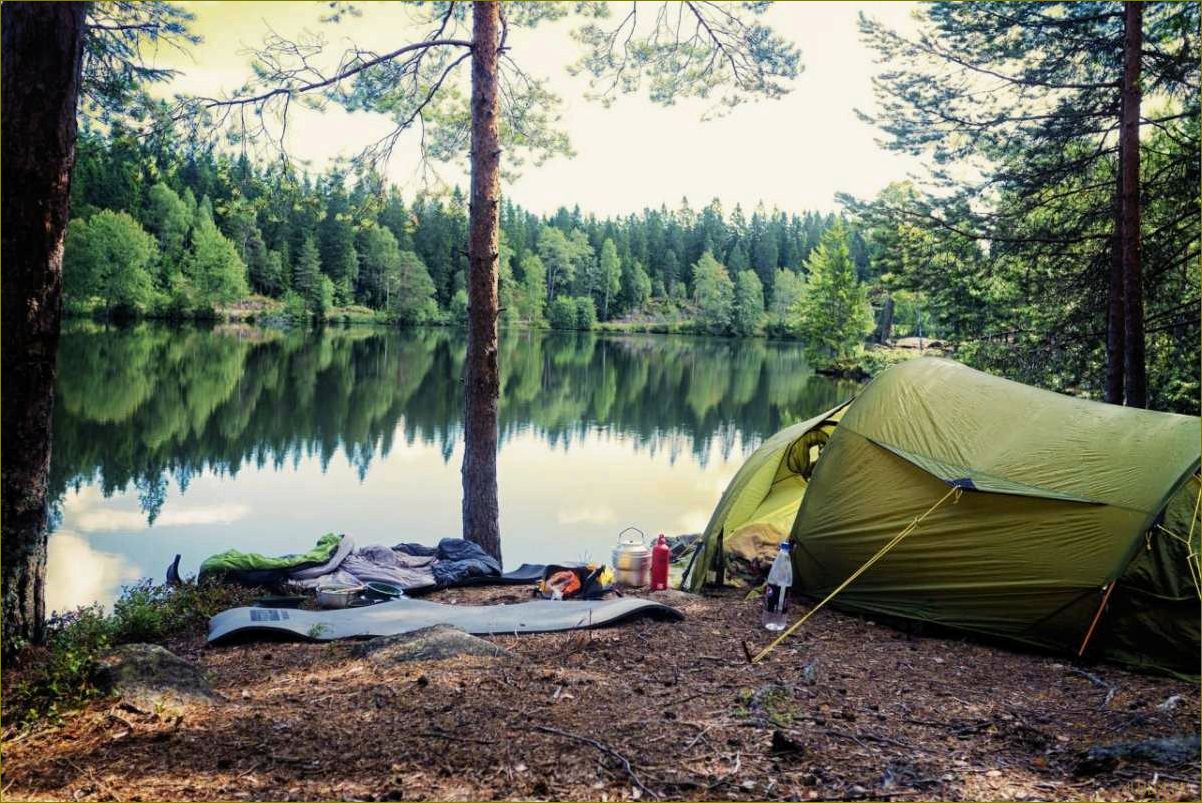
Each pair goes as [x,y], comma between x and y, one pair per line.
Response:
[833,315]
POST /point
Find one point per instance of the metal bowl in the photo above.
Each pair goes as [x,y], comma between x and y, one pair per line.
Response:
[334,596]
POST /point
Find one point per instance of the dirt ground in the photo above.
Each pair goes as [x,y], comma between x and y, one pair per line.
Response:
[851,709]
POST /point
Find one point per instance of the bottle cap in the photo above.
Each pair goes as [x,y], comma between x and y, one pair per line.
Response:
[784,545]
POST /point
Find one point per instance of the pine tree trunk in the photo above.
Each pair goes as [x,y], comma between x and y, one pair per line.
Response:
[1135,367]
[41,47]
[481,378]
[884,329]
[1115,325]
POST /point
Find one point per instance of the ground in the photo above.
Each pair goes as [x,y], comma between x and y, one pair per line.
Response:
[848,709]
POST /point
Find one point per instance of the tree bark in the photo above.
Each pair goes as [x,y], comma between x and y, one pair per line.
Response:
[1116,350]
[481,376]
[1135,365]
[41,48]
[884,328]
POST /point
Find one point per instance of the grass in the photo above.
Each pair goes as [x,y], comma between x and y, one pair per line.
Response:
[44,682]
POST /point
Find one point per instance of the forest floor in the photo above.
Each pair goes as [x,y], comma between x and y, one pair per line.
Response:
[848,709]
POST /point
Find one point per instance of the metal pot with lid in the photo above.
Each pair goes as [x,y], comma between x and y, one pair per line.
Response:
[632,559]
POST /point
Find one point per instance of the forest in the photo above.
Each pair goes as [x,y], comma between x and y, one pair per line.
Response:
[175,229]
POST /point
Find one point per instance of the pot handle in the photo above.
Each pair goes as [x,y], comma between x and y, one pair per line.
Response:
[642,535]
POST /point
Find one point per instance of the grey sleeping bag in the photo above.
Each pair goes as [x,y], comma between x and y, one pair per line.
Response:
[405,615]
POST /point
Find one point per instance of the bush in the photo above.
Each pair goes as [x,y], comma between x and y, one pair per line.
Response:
[295,308]
[44,682]
[586,314]
[562,313]
[567,312]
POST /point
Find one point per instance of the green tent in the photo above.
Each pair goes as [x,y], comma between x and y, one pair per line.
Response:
[1061,498]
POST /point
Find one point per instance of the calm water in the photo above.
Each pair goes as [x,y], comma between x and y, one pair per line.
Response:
[193,441]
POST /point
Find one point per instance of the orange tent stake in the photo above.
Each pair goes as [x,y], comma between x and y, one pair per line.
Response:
[1096,617]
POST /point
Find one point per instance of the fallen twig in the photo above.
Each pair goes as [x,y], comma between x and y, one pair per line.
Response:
[604,748]
[1097,681]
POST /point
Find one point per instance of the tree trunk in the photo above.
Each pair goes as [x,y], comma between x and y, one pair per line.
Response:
[1135,367]
[1115,325]
[884,329]
[41,47]
[481,378]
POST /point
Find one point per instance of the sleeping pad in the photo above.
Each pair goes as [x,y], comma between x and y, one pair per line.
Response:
[406,615]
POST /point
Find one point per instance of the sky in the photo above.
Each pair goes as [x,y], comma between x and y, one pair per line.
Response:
[795,153]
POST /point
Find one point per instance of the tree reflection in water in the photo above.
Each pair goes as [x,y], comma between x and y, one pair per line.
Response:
[141,406]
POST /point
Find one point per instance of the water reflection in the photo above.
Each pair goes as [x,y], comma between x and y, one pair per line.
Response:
[595,431]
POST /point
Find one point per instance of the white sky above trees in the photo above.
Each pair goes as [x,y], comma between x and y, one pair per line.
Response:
[794,153]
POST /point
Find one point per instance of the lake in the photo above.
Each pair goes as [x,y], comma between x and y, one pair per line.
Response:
[192,441]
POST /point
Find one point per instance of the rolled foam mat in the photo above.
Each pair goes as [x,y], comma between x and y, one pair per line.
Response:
[405,615]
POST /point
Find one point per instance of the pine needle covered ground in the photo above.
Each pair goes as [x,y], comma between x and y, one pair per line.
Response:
[851,709]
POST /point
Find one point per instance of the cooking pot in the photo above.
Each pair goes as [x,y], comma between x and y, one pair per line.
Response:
[632,559]
[337,596]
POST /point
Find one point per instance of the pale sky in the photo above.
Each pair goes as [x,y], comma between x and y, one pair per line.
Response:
[794,153]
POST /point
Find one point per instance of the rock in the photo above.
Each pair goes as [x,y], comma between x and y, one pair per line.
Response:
[673,597]
[151,678]
[428,644]
[1162,752]
[783,744]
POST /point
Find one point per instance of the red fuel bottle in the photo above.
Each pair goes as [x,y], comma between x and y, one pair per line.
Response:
[661,556]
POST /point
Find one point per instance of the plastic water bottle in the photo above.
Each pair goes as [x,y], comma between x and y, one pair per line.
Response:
[776,592]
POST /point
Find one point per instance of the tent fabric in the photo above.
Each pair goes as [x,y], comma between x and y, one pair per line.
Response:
[994,427]
[751,488]
[1061,497]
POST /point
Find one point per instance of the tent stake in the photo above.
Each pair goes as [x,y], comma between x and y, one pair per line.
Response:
[955,490]
[1096,617]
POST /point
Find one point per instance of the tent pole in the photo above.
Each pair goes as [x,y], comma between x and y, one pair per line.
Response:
[1096,617]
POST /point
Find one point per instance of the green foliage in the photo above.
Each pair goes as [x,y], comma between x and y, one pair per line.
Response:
[562,313]
[60,676]
[306,276]
[749,304]
[572,312]
[532,294]
[636,286]
[269,212]
[833,315]
[109,257]
[413,294]
[170,220]
[609,269]
[559,258]
[323,297]
[787,288]
[212,265]
[379,266]
[296,307]
[458,310]
[586,314]
[715,294]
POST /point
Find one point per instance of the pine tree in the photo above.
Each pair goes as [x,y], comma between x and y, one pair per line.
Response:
[306,273]
[833,315]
